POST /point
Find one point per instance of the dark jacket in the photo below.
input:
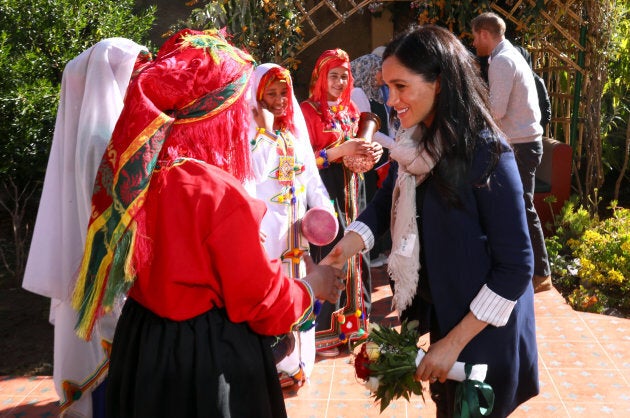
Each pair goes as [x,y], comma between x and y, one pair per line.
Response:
[543,96]
[543,101]
[484,242]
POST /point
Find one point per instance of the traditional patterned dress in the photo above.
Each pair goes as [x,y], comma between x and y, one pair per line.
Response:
[288,182]
[338,324]
[172,223]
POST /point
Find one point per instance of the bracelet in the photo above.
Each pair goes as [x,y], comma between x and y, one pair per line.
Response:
[322,159]
[311,321]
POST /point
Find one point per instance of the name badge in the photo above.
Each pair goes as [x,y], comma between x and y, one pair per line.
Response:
[407,242]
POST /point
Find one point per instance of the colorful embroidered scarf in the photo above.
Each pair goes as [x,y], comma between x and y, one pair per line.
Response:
[195,78]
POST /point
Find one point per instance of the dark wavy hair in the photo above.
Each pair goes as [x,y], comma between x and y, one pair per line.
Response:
[462,109]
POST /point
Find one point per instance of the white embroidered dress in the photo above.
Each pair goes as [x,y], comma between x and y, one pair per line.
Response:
[287,180]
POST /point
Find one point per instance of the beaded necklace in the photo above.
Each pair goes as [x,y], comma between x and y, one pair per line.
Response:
[288,168]
[341,119]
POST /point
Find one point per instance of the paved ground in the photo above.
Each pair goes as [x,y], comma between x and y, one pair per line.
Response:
[584,372]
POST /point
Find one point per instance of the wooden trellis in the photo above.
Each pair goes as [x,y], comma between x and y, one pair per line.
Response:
[320,17]
[555,39]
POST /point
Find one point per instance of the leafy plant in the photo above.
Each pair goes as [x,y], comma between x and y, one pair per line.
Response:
[37,39]
[616,100]
[590,259]
[453,14]
[269,30]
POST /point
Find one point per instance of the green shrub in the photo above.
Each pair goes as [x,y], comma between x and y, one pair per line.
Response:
[37,39]
[590,259]
[269,30]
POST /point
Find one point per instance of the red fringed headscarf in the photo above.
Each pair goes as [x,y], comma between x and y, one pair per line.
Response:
[190,102]
[271,76]
[318,88]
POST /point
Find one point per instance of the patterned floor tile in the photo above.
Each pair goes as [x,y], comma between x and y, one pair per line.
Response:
[9,402]
[17,385]
[365,409]
[306,408]
[563,328]
[584,366]
[318,387]
[422,408]
[590,385]
[574,354]
[619,352]
[551,303]
[607,328]
[548,392]
[544,409]
[599,410]
[32,407]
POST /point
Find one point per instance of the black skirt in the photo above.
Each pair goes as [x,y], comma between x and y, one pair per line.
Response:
[203,367]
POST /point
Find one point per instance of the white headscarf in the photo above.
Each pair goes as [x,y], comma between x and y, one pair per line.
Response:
[298,118]
[92,91]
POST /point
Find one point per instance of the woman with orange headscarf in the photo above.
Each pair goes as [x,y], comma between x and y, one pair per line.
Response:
[287,180]
[172,223]
[332,118]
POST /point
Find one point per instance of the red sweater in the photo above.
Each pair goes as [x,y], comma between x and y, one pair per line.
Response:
[206,252]
[323,136]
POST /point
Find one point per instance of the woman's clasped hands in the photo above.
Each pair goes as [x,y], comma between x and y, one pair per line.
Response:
[359,147]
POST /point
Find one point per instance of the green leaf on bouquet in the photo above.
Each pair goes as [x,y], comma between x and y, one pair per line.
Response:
[395,367]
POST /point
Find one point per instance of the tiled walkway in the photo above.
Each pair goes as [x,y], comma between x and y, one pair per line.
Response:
[584,372]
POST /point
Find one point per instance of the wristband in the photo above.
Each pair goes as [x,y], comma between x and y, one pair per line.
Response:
[322,159]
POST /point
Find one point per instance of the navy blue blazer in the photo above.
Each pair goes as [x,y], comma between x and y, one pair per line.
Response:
[486,241]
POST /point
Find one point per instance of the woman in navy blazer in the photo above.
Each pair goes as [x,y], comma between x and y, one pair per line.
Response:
[464,266]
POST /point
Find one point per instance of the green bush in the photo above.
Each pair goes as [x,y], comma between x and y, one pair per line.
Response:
[590,258]
[269,30]
[37,39]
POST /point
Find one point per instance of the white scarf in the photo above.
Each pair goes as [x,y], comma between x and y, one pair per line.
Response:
[414,164]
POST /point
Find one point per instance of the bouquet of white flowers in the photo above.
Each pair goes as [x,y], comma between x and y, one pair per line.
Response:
[387,362]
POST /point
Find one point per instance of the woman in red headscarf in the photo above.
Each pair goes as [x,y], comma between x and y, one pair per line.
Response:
[331,119]
[172,223]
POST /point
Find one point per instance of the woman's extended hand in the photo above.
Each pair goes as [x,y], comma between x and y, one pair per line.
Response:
[327,282]
[349,245]
[335,258]
[356,146]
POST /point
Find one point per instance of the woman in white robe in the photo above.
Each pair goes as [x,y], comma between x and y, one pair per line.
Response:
[287,179]
[92,91]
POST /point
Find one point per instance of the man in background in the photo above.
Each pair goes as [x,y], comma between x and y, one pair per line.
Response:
[514,106]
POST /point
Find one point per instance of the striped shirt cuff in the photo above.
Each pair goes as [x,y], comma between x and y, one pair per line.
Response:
[491,308]
[364,232]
